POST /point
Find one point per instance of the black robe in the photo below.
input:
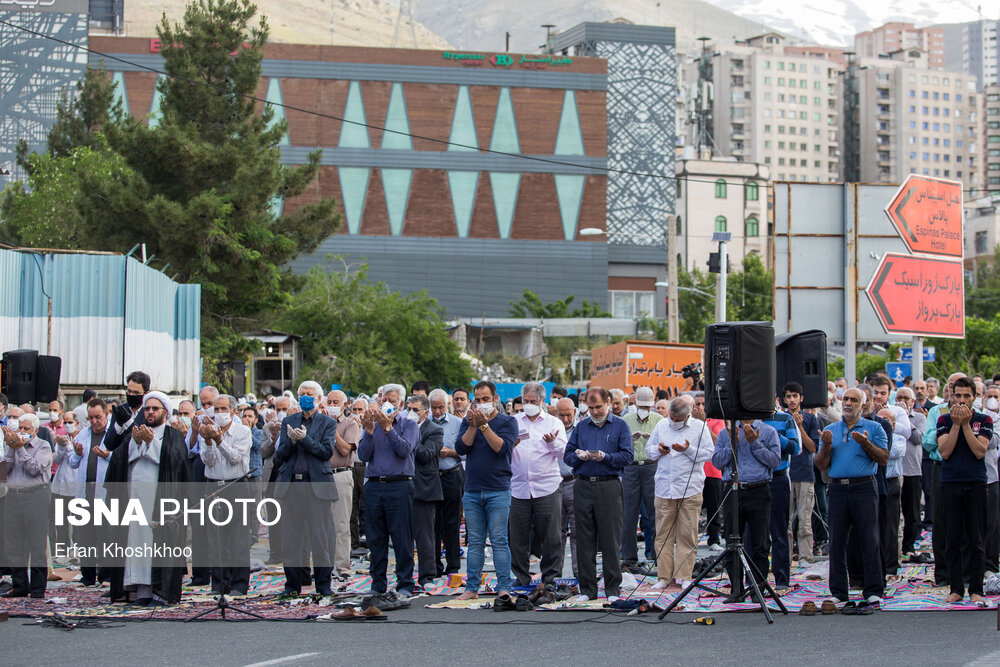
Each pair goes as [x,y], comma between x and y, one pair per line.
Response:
[167,574]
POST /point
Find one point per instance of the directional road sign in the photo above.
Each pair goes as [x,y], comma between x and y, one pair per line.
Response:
[919,296]
[898,371]
[927,214]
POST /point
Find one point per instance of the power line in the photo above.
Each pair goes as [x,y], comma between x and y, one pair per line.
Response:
[370,126]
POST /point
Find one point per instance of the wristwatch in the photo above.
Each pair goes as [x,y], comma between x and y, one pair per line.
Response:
[484,427]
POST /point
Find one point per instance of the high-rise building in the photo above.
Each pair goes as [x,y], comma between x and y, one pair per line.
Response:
[974,48]
[911,119]
[991,140]
[892,37]
[777,108]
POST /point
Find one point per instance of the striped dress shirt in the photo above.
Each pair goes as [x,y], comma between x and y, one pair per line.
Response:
[230,459]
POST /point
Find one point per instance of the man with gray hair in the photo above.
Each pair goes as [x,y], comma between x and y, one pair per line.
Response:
[387,446]
[28,460]
[225,451]
[680,445]
[305,487]
[536,501]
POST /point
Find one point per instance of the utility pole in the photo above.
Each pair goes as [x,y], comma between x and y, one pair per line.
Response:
[720,295]
[673,325]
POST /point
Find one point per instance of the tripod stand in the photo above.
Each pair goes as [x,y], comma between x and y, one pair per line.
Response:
[739,558]
[221,605]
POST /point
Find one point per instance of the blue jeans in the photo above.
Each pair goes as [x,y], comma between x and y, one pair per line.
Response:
[487,512]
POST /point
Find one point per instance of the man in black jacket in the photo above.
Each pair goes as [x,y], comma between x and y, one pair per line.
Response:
[128,415]
[427,493]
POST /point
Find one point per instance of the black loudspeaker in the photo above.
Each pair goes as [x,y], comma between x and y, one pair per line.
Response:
[739,370]
[801,357]
[17,377]
[47,372]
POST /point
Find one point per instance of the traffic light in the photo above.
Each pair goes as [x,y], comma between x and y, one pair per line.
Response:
[713,263]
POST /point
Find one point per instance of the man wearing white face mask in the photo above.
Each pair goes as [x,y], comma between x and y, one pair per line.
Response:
[427,493]
[226,454]
[638,479]
[64,480]
[680,445]
[347,437]
[536,500]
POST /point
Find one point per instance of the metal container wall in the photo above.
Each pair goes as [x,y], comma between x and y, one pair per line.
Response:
[110,315]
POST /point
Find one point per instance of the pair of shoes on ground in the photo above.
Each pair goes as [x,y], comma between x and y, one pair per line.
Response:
[505,602]
[849,608]
[372,613]
[388,601]
[543,594]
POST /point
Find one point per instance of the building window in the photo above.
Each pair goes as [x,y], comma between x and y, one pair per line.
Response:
[680,227]
[631,304]
[720,223]
[752,193]
[981,243]
[752,227]
[720,189]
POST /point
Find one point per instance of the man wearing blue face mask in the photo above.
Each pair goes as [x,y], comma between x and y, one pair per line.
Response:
[306,488]
[387,447]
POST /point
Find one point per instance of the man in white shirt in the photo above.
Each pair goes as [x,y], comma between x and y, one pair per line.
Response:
[680,444]
[225,451]
[536,501]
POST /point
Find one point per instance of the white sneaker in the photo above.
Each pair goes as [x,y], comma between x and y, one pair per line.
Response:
[660,585]
[613,598]
[874,600]
[715,547]
[581,598]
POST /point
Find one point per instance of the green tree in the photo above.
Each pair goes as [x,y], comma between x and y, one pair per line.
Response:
[750,292]
[983,300]
[531,305]
[362,335]
[197,187]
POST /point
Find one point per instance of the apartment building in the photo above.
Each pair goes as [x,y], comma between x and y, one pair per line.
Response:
[895,36]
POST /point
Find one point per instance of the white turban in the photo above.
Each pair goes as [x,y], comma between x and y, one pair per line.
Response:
[161,398]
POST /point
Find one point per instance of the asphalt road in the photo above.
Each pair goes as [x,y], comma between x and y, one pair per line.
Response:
[420,636]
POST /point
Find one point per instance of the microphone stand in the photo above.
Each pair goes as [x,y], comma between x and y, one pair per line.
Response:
[738,559]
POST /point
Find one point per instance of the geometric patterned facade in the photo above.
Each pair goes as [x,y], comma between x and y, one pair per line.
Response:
[642,89]
[35,73]
[394,184]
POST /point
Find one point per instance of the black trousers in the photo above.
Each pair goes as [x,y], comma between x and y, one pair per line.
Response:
[711,498]
[424,534]
[928,483]
[754,520]
[358,505]
[229,544]
[910,504]
[888,519]
[306,527]
[993,527]
[964,507]
[939,530]
[389,514]
[201,573]
[598,508]
[26,530]
[541,517]
[855,505]
[447,524]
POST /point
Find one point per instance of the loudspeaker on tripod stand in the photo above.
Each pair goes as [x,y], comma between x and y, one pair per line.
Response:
[739,370]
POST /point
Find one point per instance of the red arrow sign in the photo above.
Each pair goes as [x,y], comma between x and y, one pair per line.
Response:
[919,296]
[927,214]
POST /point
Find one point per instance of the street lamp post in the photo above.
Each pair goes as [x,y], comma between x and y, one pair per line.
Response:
[673,326]
[720,303]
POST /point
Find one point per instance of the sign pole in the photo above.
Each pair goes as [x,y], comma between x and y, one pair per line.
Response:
[850,283]
[918,358]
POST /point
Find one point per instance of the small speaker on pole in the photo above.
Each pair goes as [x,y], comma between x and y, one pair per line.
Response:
[739,370]
[801,357]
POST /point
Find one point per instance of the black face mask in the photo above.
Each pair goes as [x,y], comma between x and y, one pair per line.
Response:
[133,401]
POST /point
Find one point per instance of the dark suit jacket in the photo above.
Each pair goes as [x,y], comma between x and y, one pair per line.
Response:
[426,478]
[112,439]
[317,447]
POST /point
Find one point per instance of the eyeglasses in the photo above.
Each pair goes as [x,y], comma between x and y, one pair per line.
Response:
[151,408]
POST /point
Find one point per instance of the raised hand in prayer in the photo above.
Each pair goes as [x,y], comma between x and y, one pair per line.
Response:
[678,447]
[827,438]
[749,433]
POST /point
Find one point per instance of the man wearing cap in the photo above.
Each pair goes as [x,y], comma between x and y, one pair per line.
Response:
[639,478]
